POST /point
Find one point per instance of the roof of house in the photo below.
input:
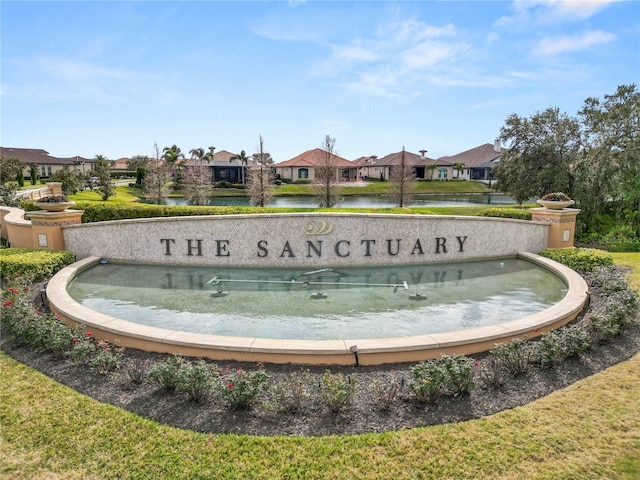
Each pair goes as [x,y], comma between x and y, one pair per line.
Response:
[220,159]
[410,159]
[314,158]
[40,157]
[478,157]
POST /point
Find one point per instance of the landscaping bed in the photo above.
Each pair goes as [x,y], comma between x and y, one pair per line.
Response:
[374,407]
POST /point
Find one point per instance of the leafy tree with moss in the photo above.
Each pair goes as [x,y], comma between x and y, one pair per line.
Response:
[540,155]
[608,171]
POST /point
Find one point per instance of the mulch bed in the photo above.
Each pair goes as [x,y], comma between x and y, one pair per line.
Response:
[314,418]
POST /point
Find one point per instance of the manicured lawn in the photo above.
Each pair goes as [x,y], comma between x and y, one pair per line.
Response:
[382,188]
[631,260]
[123,195]
[370,188]
[588,430]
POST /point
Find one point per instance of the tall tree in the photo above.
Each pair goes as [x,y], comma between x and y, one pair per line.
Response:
[401,182]
[243,159]
[103,171]
[608,172]
[71,180]
[326,174]
[197,177]
[432,167]
[156,178]
[138,161]
[260,176]
[541,151]
[9,169]
[173,156]
[459,168]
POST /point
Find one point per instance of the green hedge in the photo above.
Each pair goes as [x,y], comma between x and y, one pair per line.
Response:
[32,264]
[580,259]
[517,213]
[101,212]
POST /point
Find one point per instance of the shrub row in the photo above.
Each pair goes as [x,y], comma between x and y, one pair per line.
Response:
[105,211]
[581,259]
[32,264]
[35,328]
[517,213]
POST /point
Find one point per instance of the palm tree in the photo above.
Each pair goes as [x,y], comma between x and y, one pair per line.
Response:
[458,167]
[197,154]
[173,155]
[432,168]
[243,159]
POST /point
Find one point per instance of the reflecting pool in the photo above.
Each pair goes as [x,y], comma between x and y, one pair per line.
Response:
[320,303]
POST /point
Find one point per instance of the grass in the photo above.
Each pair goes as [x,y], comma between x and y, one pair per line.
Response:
[631,260]
[382,188]
[50,431]
[588,430]
[370,188]
[123,195]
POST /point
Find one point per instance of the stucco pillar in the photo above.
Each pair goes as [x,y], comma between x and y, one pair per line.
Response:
[55,187]
[46,227]
[562,226]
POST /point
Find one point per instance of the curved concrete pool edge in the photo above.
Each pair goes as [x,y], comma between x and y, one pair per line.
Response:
[313,352]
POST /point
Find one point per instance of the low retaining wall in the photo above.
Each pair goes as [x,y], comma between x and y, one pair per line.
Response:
[306,239]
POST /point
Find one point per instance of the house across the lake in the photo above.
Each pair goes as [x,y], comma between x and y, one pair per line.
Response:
[473,164]
[303,167]
[45,164]
[476,163]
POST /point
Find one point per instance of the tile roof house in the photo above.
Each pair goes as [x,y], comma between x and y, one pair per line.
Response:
[477,161]
[46,164]
[223,168]
[374,167]
[302,167]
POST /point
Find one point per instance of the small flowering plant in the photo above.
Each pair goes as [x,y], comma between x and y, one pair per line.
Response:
[98,354]
[556,197]
[238,388]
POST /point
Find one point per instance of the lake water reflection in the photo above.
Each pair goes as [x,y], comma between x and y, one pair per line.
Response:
[364,201]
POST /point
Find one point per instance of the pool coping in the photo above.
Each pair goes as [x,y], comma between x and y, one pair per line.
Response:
[317,352]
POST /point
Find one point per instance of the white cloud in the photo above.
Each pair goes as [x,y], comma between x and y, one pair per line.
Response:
[394,59]
[571,43]
[428,54]
[355,54]
[576,9]
[63,78]
[541,12]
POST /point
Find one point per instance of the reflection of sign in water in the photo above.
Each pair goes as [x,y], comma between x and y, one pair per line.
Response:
[314,227]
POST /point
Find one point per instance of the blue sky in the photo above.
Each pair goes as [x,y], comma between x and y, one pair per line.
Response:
[86,78]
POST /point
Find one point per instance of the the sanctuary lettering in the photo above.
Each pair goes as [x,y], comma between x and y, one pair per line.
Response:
[316,248]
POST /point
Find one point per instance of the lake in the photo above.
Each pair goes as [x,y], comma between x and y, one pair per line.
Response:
[364,201]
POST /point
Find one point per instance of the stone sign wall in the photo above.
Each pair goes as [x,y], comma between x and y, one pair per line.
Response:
[308,239]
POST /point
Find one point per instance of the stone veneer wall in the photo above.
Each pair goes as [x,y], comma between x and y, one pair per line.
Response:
[305,239]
